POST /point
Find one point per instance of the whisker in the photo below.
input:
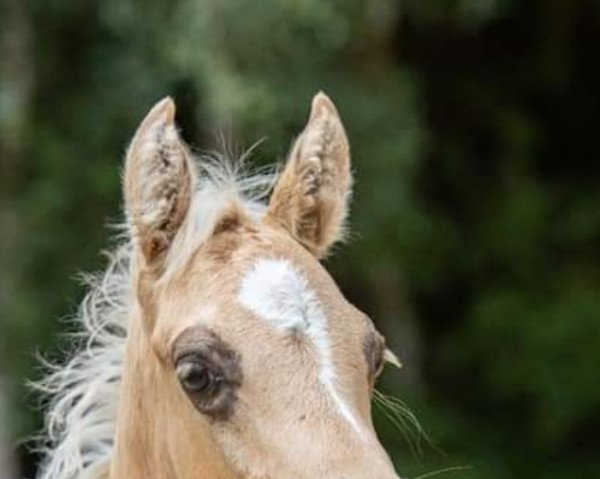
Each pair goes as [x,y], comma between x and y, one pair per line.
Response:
[400,424]
[402,417]
[444,470]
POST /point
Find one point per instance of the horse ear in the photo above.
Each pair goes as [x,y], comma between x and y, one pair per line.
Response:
[158,183]
[311,197]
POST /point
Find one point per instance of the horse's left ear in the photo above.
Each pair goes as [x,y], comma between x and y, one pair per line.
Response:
[158,183]
[311,197]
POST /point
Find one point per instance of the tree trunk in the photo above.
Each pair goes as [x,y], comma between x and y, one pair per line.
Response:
[16,81]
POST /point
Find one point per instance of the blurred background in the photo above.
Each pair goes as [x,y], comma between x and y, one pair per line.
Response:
[476,215]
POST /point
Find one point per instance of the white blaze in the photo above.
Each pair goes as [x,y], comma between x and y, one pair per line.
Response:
[274,290]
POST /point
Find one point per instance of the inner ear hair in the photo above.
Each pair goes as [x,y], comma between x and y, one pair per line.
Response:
[158,183]
[311,198]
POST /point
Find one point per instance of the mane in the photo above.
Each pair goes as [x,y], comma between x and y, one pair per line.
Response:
[82,394]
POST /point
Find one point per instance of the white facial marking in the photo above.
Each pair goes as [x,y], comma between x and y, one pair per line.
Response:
[274,290]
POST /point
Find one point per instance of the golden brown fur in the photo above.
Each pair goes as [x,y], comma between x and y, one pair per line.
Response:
[283,426]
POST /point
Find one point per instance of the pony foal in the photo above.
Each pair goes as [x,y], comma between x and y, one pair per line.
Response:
[218,347]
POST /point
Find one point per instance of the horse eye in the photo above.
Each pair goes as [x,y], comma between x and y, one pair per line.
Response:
[374,350]
[196,378]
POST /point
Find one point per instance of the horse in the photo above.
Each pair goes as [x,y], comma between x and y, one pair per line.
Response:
[215,345]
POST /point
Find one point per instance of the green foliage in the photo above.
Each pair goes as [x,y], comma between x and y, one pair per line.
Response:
[477,245]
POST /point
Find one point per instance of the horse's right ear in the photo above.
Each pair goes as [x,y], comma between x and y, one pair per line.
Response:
[158,183]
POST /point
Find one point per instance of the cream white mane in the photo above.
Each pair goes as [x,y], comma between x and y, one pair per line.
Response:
[83,393]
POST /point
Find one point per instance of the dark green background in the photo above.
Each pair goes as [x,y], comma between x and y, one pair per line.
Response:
[474,126]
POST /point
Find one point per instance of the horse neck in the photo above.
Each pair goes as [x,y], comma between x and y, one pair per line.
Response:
[137,442]
[154,438]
